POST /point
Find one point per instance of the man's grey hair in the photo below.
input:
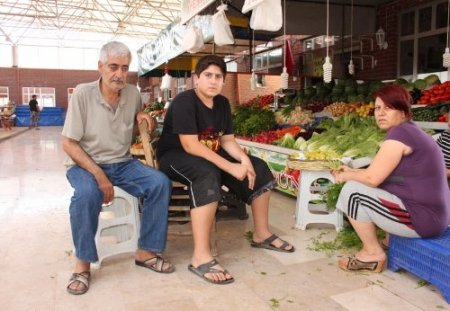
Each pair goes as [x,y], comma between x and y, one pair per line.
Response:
[116,49]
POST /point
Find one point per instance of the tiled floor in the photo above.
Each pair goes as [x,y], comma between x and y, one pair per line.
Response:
[36,258]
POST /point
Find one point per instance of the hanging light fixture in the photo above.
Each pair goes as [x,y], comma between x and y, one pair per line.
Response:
[351,66]
[380,35]
[446,55]
[284,75]
[327,66]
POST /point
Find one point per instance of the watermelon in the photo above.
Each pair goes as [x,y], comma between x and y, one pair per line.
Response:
[432,79]
[420,84]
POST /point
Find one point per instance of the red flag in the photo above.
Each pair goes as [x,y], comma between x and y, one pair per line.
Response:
[289,59]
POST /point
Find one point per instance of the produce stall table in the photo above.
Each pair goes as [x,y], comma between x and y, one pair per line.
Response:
[276,158]
[304,184]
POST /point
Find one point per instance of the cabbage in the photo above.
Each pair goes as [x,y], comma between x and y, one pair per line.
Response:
[287,141]
[298,143]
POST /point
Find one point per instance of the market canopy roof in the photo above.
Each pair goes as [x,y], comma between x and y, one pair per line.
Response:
[303,18]
[88,23]
[84,23]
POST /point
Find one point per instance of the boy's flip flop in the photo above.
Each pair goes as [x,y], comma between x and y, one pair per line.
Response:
[267,244]
[205,268]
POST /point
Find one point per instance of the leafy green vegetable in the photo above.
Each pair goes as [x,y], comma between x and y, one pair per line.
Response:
[332,195]
[250,121]
[287,141]
[300,140]
[345,240]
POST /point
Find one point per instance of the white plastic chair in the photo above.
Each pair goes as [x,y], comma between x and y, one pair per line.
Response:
[118,226]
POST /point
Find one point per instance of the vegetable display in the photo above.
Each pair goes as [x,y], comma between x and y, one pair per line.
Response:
[349,136]
[431,113]
[250,121]
[437,94]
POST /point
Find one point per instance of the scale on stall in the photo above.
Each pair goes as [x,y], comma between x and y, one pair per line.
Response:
[279,98]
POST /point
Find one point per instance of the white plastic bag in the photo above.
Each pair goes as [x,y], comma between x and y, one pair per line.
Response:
[250,5]
[193,40]
[221,27]
[267,16]
[165,82]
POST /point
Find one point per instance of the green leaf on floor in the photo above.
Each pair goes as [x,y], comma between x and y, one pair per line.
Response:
[263,273]
[249,236]
[274,303]
[422,283]
[346,239]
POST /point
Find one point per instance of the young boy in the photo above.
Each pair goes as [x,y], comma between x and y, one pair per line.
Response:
[197,147]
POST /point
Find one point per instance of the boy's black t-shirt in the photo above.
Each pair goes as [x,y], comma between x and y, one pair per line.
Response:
[188,115]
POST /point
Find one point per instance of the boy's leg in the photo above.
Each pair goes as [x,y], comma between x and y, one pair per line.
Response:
[204,180]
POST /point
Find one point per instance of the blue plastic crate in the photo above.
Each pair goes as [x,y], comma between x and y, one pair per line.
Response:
[429,259]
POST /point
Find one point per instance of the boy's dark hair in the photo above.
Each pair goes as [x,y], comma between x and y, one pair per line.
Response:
[208,60]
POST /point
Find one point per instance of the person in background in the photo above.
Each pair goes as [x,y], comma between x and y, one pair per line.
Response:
[34,112]
[404,191]
[443,141]
[197,147]
[7,118]
[97,135]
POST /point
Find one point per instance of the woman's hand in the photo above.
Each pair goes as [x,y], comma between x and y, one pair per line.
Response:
[340,173]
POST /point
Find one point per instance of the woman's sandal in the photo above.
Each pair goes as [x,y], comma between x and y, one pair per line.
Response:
[268,244]
[82,278]
[354,264]
[205,268]
[156,264]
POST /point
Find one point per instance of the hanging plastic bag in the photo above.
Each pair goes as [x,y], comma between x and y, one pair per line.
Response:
[267,16]
[221,27]
[250,5]
[165,81]
[193,40]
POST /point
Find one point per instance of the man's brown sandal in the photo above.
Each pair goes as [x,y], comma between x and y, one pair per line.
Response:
[354,264]
[81,278]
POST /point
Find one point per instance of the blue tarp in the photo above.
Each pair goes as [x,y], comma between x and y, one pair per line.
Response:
[50,116]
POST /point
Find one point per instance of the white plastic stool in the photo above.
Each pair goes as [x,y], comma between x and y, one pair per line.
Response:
[303,214]
[118,226]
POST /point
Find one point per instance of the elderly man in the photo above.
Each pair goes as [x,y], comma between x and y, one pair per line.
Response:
[96,136]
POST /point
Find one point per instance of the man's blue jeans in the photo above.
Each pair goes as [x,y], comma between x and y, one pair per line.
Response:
[135,178]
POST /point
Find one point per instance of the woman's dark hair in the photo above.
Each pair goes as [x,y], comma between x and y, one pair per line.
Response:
[209,60]
[396,97]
